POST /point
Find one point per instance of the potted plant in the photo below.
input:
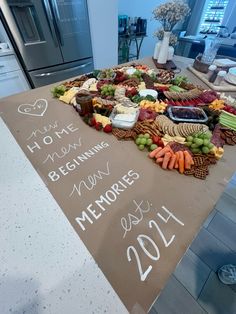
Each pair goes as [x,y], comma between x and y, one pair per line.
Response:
[169,14]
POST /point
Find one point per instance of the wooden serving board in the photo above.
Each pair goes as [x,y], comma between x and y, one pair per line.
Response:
[169,65]
[224,87]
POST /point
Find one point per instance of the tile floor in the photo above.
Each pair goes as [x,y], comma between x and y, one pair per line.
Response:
[195,284]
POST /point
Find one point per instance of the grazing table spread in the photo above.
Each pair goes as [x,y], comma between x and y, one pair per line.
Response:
[135,158]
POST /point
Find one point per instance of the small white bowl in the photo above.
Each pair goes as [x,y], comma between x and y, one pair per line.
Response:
[151,92]
[130,71]
[231,76]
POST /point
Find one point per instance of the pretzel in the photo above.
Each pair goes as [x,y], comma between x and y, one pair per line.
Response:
[124,134]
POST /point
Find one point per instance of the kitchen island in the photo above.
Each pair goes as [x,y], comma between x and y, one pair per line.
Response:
[45,265]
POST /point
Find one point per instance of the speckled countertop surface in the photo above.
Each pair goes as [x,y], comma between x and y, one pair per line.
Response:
[45,267]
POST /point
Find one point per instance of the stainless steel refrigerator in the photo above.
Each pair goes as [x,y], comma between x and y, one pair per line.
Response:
[52,37]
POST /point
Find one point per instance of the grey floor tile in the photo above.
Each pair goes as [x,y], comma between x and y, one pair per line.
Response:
[175,299]
[231,189]
[233,178]
[209,218]
[192,272]
[233,287]
[152,311]
[212,251]
[224,229]
[227,206]
[217,298]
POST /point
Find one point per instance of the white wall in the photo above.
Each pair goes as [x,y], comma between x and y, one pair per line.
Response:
[103,15]
[143,9]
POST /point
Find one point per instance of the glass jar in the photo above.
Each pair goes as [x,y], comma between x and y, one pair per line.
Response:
[220,77]
[84,103]
[211,47]
[211,70]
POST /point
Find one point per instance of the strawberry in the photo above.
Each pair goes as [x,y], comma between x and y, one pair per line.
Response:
[98,126]
[155,139]
[160,143]
[92,122]
[107,128]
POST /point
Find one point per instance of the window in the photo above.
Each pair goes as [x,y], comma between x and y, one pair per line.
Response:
[212,16]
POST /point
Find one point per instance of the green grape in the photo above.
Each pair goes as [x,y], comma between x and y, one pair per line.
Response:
[198,141]
[188,144]
[205,150]
[206,142]
[143,141]
[141,147]
[196,150]
[149,141]
[153,146]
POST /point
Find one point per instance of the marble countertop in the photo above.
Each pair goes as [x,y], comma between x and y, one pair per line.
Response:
[45,267]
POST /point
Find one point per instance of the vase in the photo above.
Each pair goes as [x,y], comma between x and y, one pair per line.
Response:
[157,50]
[171,52]
[164,48]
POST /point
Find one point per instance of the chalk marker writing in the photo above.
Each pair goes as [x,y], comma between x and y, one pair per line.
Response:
[91,181]
[45,129]
[63,152]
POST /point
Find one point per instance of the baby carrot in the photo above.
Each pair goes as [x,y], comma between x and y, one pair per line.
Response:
[172,162]
[177,161]
[166,160]
[159,160]
[187,160]
[181,162]
[163,151]
[154,152]
[186,153]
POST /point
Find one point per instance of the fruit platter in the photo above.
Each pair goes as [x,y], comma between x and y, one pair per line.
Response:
[178,125]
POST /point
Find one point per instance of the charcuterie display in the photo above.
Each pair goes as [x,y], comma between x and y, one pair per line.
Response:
[181,125]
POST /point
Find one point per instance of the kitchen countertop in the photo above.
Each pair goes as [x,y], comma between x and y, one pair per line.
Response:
[199,39]
[45,267]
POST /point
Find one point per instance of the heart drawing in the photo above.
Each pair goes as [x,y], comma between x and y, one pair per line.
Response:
[37,109]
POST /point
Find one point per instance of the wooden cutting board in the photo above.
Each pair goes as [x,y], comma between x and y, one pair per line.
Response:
[224,87]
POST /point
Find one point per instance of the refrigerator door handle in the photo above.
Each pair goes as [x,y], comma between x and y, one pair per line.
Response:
[42,75]
[50,22]
[57,20]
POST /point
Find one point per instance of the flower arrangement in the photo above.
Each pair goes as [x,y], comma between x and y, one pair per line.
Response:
[170,13]
[160,35]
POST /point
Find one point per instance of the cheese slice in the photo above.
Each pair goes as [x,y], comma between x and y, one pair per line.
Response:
[141,86]
[68,96]
[93,87]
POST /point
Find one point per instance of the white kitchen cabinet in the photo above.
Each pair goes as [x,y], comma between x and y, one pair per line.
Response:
[12,83]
